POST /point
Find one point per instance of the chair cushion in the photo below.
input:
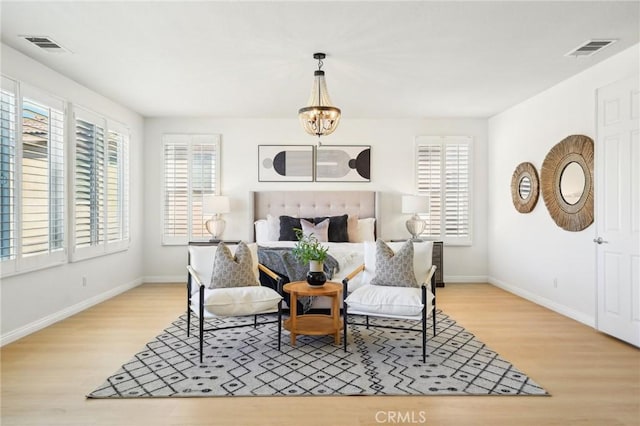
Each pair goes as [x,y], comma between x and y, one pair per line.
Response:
[231,270]
[319,230]
[422,252]
[384,300]
[394,269]
[238,301]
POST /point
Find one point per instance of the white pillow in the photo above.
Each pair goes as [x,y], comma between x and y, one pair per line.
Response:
[262,230]
[238,301]
[273,223]
[422,257]
[366,230]
[373,299]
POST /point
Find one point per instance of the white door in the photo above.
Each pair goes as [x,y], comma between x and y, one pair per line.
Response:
[618,210]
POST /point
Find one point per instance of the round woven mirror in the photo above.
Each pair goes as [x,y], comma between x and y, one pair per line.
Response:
[567,182]
[524,187]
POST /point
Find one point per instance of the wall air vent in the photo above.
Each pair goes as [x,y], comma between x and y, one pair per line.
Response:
[45,43]
[590,47]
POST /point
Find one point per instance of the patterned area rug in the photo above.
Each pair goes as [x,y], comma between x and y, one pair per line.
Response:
[246,362]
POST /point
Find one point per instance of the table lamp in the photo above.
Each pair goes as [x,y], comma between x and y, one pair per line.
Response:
[415,204]
[215,205]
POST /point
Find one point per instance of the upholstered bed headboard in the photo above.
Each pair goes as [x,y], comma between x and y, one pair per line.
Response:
[363,204]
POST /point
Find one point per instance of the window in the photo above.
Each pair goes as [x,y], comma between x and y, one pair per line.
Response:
[101,186]
[32,192]
[443,171]
[191,170]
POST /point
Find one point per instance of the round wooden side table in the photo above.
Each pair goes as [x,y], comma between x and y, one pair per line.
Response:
[314,324]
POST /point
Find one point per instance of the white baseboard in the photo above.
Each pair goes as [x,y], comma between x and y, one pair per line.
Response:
[542,301]
[165,278]
[465,279]
[65,313]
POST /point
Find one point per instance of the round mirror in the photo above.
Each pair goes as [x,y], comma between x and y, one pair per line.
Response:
[567,182]
[524,188]
[572,182]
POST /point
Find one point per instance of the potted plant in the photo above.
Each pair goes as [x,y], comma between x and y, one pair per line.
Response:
[309,250]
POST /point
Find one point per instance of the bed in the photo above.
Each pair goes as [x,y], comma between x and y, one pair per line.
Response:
[361,209]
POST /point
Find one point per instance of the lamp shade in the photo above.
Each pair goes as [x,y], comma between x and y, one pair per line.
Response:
[215,204]
[415,204]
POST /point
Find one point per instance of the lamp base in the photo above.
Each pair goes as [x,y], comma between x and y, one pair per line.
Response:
[215,226]
[415,226]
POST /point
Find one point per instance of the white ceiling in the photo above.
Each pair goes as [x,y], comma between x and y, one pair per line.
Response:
[254,59]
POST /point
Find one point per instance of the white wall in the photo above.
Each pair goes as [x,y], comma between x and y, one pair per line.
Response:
[34,300]
[392,173]
[528,251]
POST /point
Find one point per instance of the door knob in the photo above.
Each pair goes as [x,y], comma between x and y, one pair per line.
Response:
[599,240]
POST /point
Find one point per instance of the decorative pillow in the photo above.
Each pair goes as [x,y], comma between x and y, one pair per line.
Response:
[422,259]
[262,230]
[273,225]
[338,232]
[233,271]
[352,229]
[366,230]
[241,301]
[374,299]
[394,269]
[288,225]
[320,230]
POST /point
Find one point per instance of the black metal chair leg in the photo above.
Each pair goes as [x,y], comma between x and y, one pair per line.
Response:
[279,323]
[188,320]
[433,318]
[201,309]
[424,334]
[344,326]
[367,321]
[255,321]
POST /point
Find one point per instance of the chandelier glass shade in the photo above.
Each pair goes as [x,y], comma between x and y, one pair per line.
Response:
[319,117]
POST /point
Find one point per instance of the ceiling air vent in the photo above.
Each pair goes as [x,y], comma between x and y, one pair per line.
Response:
[590,47]
[45,43]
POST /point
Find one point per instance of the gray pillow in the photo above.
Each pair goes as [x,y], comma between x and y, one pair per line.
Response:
[394,269]
[233,271]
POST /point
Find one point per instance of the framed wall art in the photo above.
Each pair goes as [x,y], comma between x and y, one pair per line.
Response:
[285,163]
[343,163]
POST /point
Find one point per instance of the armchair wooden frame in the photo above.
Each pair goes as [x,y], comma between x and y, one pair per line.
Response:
[192,276]
[429,281]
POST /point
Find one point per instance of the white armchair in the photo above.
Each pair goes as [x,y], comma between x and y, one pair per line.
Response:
[412,300]
[242,299]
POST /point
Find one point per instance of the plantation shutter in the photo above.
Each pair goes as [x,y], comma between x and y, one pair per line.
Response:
[443,172]
[42,172]
[429,182]
[457,191]
[8,108]
[191,170]
[101,185]
[89,179]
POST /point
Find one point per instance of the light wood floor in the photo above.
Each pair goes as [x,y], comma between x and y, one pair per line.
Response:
[594,379]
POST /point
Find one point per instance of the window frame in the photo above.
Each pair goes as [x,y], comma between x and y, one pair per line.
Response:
[442,142]
[190,140]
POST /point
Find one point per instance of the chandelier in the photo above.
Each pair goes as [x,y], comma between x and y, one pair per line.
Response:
[319,117]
